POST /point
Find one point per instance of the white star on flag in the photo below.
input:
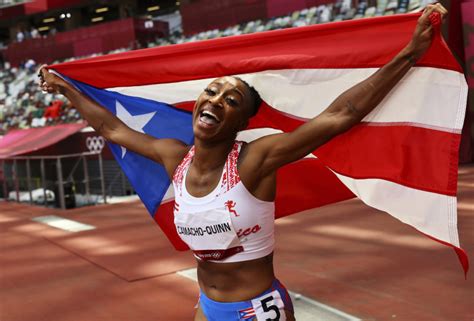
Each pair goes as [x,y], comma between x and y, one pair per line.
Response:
[136,122]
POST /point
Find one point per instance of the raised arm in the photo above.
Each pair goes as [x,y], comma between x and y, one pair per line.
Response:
[167,152]
[272,152]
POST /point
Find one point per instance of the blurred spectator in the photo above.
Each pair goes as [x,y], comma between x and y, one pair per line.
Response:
[34,32]
[20,36]
[39,111]
[53,111]
[38,119]
[325,14]
[30,65]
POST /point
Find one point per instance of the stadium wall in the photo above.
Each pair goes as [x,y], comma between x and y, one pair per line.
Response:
[202,15]
[277,8]
[84,41]
[36,6]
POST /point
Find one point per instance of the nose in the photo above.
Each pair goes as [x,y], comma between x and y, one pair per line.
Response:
[216,100]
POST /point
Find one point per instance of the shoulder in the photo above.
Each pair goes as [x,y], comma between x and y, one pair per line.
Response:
[256,153]
[175,155]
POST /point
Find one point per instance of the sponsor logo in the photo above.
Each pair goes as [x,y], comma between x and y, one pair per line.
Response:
[248,231]
[217,254]
[230,206]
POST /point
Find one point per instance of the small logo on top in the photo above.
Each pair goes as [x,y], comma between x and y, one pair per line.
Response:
[230,206]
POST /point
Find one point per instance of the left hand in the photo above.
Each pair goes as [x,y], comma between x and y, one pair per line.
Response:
[423,34]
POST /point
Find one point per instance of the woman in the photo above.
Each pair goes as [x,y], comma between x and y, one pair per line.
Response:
[224,189]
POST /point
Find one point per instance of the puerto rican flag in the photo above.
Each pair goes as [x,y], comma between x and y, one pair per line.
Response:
[402,158]
[247,314]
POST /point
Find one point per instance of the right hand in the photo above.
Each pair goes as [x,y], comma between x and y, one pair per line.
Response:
[49,82]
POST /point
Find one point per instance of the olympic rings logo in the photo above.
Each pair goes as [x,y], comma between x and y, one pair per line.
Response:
[95,143]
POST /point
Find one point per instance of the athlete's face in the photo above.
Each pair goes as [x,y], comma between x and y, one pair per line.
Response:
[222,110]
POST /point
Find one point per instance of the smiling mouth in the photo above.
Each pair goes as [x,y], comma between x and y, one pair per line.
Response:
[209,118]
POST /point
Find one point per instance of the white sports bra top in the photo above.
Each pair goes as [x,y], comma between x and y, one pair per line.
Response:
[227,225]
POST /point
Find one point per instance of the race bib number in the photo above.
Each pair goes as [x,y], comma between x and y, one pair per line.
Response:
[269,307]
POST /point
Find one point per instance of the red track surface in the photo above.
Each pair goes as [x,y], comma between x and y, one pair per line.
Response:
[345,255]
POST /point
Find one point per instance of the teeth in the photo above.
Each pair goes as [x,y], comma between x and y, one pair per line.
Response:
[208,113]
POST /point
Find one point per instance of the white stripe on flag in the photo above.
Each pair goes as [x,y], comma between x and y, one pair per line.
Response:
[419,99]
[431,213]
[253,134]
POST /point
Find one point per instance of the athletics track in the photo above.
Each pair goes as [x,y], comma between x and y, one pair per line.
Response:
[346,255]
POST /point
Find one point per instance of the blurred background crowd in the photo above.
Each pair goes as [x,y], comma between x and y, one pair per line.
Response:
[23,105]
[26,43]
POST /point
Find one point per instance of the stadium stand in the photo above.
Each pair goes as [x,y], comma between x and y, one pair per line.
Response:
[22,105]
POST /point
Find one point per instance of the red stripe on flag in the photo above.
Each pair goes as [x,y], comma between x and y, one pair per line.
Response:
[268,116]
[369,152]
[186,105]
[364,43]
[298,190]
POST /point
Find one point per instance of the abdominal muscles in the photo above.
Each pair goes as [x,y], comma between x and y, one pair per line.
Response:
[238,281]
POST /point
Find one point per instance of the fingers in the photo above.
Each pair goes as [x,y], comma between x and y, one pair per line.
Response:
[433,16]
[41,76]
[435,7]
[44,87]
[442,10]
[42,73]
[48,89]
[438,7]
[428,9]
[41,70]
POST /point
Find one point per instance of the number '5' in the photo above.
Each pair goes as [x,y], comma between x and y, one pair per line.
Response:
[268,308]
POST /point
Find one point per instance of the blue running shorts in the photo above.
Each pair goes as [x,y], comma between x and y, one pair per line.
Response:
[270,305]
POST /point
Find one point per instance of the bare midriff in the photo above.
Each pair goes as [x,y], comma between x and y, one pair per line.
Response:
[234,282]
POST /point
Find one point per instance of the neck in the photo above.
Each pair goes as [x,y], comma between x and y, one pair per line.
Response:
[210,156]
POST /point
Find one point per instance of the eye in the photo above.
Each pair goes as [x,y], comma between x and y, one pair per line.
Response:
[231,101]
[210,92]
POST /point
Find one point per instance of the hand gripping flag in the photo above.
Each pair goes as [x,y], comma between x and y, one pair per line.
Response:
[402,158]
